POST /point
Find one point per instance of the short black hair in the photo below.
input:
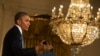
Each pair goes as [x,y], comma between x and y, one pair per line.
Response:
[19,15]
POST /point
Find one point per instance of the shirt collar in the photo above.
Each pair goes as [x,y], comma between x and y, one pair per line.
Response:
[19,28]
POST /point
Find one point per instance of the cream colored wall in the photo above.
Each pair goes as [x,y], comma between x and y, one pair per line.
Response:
[0,26]
[8,8]
[6,21]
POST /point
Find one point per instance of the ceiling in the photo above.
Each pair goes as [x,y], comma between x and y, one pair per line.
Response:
[41,6]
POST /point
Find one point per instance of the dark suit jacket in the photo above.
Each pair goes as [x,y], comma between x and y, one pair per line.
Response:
[49,53]
[12,45]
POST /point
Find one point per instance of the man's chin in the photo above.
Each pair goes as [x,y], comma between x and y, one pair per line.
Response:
[26,29]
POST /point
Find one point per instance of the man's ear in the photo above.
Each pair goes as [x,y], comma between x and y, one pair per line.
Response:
[19,22]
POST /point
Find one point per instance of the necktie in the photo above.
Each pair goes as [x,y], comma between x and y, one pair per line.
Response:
[22,41]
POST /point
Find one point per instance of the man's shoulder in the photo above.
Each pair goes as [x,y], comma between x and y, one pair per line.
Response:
[13,30]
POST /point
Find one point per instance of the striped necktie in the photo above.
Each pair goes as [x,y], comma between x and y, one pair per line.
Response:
[22,41]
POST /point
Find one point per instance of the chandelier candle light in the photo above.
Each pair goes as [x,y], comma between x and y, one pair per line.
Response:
[79,27]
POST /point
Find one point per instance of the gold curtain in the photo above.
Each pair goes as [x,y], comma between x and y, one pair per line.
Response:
[40,30]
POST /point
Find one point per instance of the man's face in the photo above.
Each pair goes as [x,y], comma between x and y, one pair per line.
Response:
[24,22]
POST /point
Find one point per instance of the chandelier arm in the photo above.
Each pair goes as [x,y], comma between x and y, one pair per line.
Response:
[72,35]
[84,34]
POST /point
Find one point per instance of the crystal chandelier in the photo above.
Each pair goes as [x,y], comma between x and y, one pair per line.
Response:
[79,27]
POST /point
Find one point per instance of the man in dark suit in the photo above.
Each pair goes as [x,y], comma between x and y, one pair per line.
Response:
[13,41]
